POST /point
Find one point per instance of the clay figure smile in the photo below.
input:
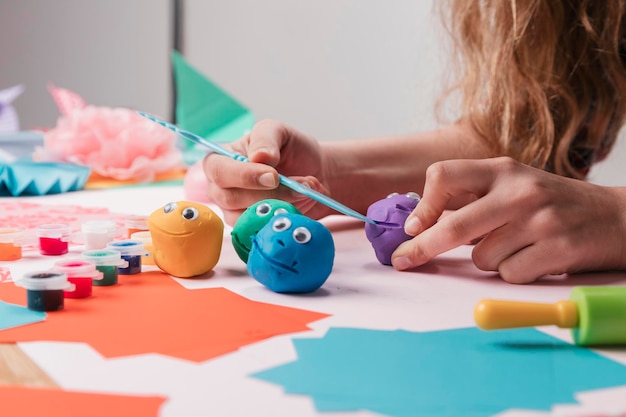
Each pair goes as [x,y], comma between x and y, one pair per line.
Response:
[186,238]
[273,261]
[253,219]
[181,233]
[390,214]
[292,253]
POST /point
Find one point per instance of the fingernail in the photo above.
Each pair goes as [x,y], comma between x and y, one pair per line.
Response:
[412,226]
[268,180]
[401,263]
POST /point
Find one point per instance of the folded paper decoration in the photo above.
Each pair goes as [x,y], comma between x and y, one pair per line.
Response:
[24,177]
[9,121]
[114,142]
[206,109]
[67,101]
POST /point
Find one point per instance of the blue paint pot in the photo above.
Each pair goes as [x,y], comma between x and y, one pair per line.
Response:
[131,251]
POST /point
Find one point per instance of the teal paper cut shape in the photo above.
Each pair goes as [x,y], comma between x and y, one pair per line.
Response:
[25,177]
[206,109]
[461,372]
[12,315]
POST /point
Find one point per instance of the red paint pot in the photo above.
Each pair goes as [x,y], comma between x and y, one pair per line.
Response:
[81,273]
[53,238]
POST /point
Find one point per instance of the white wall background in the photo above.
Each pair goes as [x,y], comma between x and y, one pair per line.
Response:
[337,69]
[112,53]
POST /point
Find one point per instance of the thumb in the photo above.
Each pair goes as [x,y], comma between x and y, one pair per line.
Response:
[264,153]
[266,140]
[264,144]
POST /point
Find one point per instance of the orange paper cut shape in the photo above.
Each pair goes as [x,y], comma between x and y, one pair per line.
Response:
[151,313]
[38,402]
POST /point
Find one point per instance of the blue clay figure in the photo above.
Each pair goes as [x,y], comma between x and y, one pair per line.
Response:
[252,220]
[292,254]
[394,211]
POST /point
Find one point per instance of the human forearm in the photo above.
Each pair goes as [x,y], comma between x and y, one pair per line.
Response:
[359,172]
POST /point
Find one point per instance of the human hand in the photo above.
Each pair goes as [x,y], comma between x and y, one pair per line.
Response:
[534,223]
[271,147]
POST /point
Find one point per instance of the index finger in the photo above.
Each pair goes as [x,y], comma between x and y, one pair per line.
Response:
[444,182]
[465,224]
[226,172]
[448,180]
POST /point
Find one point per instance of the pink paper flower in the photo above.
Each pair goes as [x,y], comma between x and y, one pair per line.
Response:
[114,142]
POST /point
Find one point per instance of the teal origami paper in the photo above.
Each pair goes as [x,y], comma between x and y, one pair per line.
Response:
[12,315]
[462,372]
[206,109]
[25,177]
[21,176]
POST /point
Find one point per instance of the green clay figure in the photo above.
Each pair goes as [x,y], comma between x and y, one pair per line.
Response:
[253,219]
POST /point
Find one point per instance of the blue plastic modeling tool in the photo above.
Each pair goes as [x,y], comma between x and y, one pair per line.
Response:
[288,182]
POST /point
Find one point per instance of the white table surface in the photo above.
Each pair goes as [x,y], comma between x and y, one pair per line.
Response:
[360,293]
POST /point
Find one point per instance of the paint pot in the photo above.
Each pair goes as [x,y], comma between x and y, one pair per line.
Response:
[97,233]
[44,289]
[53,238]
[81,273]
[11,240]
[135,224]
[132,251]
[145,238]
[107,262]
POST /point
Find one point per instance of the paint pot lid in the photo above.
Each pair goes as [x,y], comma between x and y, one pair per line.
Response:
[129,247]
[53,230]
[136,222]
[44,280]
[11,234]
[103,257]
[98,226]
[144,236]
[77,268]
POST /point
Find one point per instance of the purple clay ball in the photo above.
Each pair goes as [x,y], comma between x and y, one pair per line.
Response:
[393,210]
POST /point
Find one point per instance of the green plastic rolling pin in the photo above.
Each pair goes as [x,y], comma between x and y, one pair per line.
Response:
[596,315]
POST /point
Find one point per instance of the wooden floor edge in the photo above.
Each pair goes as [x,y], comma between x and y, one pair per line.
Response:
[17,368]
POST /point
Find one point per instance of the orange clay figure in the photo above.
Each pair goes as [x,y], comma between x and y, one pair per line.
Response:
[186,238]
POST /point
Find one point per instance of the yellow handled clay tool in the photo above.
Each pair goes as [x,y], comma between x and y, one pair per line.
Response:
[595,315]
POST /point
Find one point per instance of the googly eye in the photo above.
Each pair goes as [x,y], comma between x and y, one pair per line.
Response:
[281,224]
[190,213]
[392,195]
[169,207]
[280,211]
[263,209]
[302,235]
[413,196]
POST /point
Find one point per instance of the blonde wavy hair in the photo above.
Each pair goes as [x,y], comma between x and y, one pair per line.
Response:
[542,80]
